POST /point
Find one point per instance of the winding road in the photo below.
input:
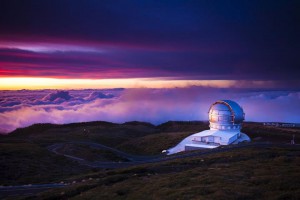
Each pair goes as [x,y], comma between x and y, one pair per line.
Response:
[133,161]
[137,160]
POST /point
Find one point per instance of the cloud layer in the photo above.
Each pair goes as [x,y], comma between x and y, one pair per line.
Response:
[219,40]
[23,108]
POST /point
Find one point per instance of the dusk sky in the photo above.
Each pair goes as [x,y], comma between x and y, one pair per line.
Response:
[233,47]
[161,40]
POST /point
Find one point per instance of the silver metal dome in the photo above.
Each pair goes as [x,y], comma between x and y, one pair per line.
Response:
[226,115]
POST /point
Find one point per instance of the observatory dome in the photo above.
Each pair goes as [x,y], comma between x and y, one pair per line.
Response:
[226,115]
[225,122]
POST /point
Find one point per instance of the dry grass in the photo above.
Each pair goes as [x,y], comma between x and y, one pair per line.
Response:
[265,173]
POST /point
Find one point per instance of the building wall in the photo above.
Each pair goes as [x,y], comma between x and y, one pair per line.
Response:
[217,140]
[233,138]
[190,148]
[213,139]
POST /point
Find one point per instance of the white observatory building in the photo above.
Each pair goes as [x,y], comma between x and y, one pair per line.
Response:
[225,122]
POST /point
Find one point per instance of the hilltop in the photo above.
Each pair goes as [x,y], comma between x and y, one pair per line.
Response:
[34,155]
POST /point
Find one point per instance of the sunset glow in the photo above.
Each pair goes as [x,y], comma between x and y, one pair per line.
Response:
[33,83]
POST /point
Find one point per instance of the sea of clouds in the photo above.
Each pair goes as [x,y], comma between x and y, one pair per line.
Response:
[26,107]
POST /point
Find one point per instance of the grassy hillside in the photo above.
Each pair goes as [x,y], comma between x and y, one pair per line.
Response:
[133,137]
[104,132]
[24,159]
[251,173]
[261,133]
[23,163]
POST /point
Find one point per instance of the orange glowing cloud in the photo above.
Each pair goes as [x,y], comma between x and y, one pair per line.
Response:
[17,83]
[54,83]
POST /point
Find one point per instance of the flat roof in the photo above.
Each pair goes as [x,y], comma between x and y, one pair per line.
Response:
[202,146]
[216,133]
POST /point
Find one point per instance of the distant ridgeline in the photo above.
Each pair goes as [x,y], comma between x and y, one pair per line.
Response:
[277,124]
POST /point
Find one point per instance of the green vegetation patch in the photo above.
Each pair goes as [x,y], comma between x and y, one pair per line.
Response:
[90,154]
[26,163]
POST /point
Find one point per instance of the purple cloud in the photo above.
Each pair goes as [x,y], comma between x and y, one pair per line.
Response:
[63,95]
[14,100]
[98,95]
[150,105]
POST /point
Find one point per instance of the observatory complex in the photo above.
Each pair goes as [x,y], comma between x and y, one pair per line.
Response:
[225,122]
